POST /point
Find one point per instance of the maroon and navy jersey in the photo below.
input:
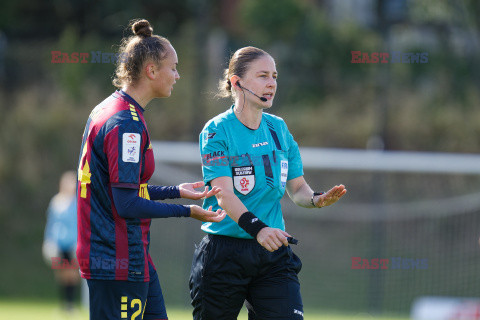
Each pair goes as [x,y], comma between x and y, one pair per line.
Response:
[116,152]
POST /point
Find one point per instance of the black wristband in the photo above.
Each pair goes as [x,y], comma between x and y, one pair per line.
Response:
[251,224]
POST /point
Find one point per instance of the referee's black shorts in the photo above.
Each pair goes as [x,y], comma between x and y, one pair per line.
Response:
[227,271]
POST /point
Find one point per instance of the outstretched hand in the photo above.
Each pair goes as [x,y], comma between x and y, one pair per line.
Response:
[201,214]
[330,197]
[187,191]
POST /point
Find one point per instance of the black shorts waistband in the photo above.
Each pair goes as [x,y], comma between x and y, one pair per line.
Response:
[223,238]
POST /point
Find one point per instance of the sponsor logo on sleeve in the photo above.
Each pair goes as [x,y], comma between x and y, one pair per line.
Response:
[131,147]
[208,135]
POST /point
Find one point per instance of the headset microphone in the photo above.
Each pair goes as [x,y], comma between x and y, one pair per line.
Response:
[261,98]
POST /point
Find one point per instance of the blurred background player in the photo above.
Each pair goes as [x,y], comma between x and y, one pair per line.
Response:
[252,157]
[114,203]
[60,239]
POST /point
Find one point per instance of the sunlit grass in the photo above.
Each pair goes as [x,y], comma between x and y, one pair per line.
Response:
[48,310]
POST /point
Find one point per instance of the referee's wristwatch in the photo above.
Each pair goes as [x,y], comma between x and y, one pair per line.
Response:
[313,195]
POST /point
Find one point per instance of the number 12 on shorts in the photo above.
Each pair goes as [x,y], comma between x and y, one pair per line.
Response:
[135,306]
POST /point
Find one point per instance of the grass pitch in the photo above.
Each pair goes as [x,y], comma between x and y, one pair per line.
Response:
[49,310]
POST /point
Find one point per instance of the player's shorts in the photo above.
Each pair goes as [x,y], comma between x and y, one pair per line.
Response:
[129,300]
[228,271]
[66,255]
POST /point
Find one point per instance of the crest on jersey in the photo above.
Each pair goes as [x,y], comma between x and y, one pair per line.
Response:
[244,179]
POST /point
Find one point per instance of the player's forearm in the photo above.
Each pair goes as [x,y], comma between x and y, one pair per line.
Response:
[229,202]
[130,205]
[163,192]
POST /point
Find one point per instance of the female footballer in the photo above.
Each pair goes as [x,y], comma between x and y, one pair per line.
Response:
[252,157]
[114,201]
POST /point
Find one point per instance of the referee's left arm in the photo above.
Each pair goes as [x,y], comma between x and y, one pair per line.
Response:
[301,194]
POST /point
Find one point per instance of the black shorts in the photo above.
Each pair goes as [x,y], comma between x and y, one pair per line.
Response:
[228,271]
[66,255]
[116,300]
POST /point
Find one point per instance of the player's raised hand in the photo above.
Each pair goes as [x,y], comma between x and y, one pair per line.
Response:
[330,197]
[201,214]
[272,238]
[187,190]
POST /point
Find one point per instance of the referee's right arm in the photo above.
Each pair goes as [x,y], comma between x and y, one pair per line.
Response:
[227,199]
[270,238]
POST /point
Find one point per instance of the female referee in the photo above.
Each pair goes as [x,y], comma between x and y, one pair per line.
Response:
[114,200]
[252,157]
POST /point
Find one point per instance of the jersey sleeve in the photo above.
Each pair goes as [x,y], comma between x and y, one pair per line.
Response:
[130,205]
[295,166]
[124,147]
[163,192]
[214,153]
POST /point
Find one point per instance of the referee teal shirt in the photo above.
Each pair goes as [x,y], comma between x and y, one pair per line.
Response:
[260,162]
